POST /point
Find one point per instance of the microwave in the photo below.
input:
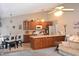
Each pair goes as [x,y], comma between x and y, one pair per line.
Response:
[38,27]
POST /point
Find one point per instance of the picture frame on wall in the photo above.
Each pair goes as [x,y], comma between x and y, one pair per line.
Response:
[13,27]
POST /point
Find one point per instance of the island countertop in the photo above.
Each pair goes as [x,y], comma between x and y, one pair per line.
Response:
[45,41]
[41,36]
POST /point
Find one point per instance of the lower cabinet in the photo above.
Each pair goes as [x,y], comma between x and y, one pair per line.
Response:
[44,42]
[27,38]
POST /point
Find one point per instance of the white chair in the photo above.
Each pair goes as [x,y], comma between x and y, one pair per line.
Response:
[19,40]
[1,46]
[11,41]
[1,42]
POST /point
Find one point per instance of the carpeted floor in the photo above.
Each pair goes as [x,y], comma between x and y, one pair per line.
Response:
[27,51]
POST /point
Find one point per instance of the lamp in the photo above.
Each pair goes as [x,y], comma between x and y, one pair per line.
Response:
[42,20]
[58,13]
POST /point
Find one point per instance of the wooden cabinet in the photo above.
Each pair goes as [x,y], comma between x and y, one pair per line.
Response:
[26,25]
[44,42]
[31,25]
[27,38]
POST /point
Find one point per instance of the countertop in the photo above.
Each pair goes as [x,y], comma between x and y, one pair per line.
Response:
[40,36]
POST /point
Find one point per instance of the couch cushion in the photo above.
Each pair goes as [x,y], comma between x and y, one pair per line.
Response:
[69,50]
[64,43]
[74,45]
[71,44]
[73,38]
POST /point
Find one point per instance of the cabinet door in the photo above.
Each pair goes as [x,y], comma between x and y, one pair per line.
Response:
[32,25]
[26,38]
[26,25]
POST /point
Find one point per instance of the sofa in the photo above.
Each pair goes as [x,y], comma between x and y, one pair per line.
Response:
[70,47]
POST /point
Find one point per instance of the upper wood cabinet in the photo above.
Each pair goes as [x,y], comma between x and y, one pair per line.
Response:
[26,25]
[31,25]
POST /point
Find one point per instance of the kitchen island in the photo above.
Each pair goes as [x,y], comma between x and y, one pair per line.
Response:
[45,41]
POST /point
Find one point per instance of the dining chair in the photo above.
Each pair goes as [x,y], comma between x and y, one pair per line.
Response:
[19,41]
[11,42]
[2,45]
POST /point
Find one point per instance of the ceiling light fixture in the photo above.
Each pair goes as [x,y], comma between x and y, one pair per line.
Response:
[58,13]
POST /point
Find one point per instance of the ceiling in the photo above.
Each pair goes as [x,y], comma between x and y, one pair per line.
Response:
[14,9]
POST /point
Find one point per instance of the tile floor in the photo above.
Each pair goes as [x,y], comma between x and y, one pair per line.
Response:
[27,51]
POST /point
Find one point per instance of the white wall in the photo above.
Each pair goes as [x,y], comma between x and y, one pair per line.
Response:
[23,8]
[6,28]
[68,18]
[71,18]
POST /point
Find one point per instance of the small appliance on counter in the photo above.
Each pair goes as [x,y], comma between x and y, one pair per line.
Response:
[38,30]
